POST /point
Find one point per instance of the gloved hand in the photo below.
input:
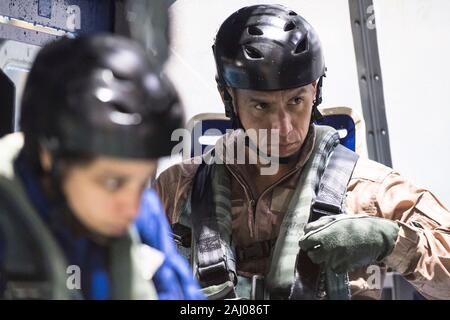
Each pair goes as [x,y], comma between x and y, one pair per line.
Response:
[347,242]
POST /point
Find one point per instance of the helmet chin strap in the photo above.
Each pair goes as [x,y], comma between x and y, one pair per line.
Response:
[229,110]
[316,115]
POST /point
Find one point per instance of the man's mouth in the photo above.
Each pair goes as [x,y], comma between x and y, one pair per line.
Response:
[287,145]
[284,148]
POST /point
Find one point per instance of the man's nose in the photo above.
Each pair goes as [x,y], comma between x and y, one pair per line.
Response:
[283,123]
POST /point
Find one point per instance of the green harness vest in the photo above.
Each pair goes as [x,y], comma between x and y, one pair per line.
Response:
[282,274]
[34,266]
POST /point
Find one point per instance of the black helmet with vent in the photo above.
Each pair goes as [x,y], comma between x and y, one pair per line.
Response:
[268,47]
[99,95]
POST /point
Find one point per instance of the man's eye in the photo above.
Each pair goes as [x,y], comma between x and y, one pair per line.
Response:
[261,106]
[296,100]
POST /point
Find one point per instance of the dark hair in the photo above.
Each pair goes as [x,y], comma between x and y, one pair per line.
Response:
[31,154]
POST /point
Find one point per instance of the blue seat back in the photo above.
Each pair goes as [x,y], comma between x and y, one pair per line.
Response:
[345,126]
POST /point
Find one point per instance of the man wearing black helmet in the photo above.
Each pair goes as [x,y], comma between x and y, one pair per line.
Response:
[327,223]
[75,221]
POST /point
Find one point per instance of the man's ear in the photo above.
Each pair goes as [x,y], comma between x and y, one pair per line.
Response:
[314,84]
[46,159]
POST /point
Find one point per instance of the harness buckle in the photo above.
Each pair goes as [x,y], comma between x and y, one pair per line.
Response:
[322,208]
[182,235]
[215,274]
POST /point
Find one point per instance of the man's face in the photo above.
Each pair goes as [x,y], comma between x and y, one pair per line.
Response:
[289,111]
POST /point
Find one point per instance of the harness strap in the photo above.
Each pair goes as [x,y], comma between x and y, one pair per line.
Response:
[282,273]
[333,184]
[330,200]
[208,208]
[212,266]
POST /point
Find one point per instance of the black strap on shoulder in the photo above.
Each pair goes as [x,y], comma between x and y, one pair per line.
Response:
[329,200]
[333,184]
[212,268]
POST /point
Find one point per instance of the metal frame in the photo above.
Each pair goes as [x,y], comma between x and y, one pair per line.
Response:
[365,42]
[370,80]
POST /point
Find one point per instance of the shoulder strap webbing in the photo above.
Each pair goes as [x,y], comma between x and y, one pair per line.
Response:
[330,200]
[334,181]
[212,265]
[282,271]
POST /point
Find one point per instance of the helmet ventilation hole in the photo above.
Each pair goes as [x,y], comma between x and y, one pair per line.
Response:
[119,107]
[254,31]
[302,46]
[289,26]
[252,53]
[292,13]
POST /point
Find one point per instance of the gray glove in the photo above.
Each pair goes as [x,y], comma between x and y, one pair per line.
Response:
[347,242]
